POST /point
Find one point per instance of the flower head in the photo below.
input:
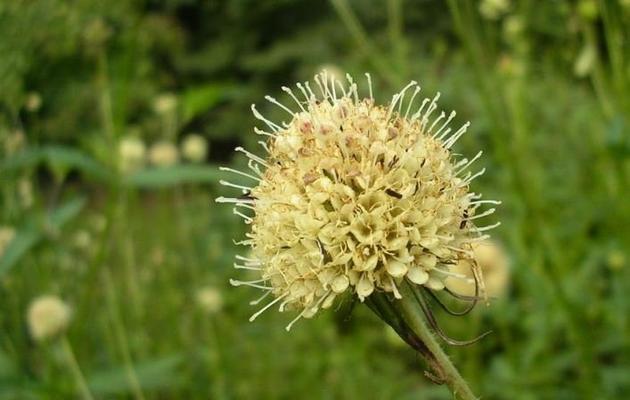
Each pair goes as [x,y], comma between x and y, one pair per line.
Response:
[209,299]
[355,197]
[47,316]
[163,154]
[195,148]
[132,153]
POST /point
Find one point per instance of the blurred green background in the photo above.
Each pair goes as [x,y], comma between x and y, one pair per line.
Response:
[107,202]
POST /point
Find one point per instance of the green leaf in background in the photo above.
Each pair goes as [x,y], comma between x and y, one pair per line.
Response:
[171,176]
[31,233]
[57,158]
[199,99]
[152,374]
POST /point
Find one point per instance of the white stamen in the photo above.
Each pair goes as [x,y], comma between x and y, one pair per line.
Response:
[276,102]
[239,173]
[483,214]
[248,219]
[432,107]
[252,156]
[369,79]
[448,121]
[253,284]
[274,127]
[239,266]
[290,92]
[233,200]
[260,132]
[255,261]
[417,114]
[254,167]
[262,310]
[403,94]
[485,228]
[306,96]
[415,93]
[261,298]
[468,163]
[264,146]
[471,178]
[451,141]
[245,189]
[438,119]
[496,202]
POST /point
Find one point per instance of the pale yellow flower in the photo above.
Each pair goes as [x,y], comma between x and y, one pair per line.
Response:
[131,153]
[47,317]
[493,9]
[355,197]
[209,299]
[195,148]
[33,102]
[165,103]
[163,154]
[495,266]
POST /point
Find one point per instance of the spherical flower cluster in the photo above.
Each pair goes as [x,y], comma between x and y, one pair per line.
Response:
[131,153]
[355,197]
[209,299]
[163,154]
[194,148]
[47,317]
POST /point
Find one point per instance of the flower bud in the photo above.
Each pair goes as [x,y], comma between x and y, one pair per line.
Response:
[48,316]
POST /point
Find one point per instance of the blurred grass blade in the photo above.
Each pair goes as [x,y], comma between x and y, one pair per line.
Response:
[31,233]
[172,176]
[200,99]
[152,374]
[55,157]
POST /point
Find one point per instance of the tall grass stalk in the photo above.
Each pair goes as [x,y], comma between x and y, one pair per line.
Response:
[75,370]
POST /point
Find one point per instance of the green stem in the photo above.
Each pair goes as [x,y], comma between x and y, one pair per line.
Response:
[121,336]
[75,370]
[415,320]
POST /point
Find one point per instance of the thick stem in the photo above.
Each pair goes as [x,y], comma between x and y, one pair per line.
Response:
[414,318]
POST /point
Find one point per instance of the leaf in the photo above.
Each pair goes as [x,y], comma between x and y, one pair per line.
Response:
[56,157]
[72,158]
[31,233]
[152,374]
[200,99]
[161,177]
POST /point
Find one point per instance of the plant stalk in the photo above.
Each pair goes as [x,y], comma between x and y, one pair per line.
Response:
[75,370]
[448,374]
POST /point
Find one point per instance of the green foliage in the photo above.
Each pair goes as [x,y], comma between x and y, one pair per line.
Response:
[546,86]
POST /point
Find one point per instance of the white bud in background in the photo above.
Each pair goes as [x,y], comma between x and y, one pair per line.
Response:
[493,9]
[33,102]
[165,103]
[48,316]
[209,299]
[194,148]
[132,153]
[163,154]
